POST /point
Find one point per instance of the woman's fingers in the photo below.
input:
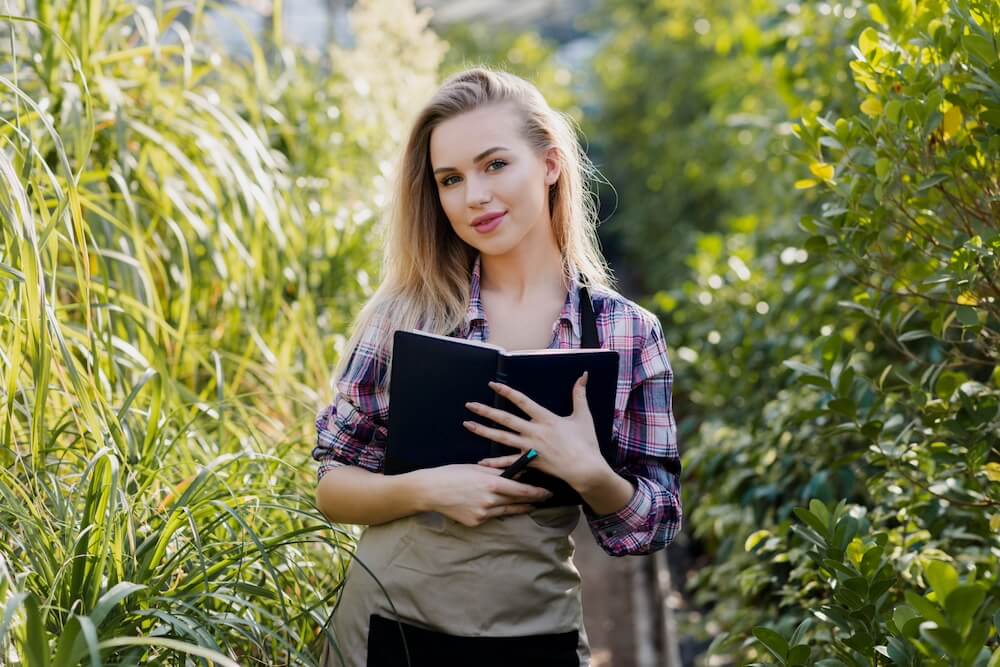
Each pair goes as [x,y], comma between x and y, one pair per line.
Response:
[507,419]
[495,434]
[518,491]
[510,508]
[500,461]
[528,406]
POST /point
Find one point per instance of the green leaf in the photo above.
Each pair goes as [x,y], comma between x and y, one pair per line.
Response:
[883,166]
[942,577]
[849,598]
[810,535]
[816,245]
[914,335]
[112,597]
[804,369]
[800,631]
[36,647]
[943,638]
[813,521]
[981,47]
[868,42]
[962,604]
[843,406]
[931,181]
[892,109]
[11,272]
[975,642]
[799,655]
[820,511]
[967,315]
[837,566]
[847,528]
[755,538]
[902,615]
[773,642]
[871,560]
[924,607]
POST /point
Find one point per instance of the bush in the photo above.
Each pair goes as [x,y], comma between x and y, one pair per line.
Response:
[854,359]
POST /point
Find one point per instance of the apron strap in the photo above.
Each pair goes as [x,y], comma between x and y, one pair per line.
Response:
[588,327]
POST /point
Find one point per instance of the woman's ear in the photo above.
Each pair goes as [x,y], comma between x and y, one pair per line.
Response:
[552,166]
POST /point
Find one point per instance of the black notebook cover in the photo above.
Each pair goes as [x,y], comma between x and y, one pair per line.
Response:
[434,376]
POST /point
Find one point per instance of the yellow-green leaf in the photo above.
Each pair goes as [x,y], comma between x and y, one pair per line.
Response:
[995,523]
[822,170]
[876,13]
[952,122]
[882,167]
[967,299]
[872,106]
[755,539]
[868,41]
[993,471]
[805,184]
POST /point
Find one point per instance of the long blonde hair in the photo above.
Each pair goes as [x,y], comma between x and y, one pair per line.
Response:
[426,267]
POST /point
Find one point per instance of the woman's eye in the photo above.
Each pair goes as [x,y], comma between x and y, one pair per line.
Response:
[446,181]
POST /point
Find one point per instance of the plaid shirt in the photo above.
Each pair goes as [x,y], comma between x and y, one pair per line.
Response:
[353,430]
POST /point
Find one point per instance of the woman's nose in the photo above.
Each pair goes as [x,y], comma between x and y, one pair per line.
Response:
[477,192]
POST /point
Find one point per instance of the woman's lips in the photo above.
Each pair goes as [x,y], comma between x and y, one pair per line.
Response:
[488,227]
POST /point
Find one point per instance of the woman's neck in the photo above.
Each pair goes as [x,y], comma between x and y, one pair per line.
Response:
[524,272]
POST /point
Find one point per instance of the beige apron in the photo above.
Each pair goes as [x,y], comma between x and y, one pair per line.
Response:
[509,577]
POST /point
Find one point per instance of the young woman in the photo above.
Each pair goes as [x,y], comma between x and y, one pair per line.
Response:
[492,237]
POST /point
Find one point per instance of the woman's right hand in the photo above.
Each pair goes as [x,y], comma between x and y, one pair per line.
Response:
[472,494]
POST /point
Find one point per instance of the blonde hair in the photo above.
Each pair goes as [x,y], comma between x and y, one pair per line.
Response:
[426,267]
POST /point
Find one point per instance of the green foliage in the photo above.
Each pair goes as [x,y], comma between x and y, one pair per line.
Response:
[184,237]
[949,625]
[838,341]
[691,116]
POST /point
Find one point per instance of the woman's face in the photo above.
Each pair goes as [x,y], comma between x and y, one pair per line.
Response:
[484,167]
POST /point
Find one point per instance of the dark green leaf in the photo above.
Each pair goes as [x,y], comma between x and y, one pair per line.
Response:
[799,655]
[812,520]
[773,642]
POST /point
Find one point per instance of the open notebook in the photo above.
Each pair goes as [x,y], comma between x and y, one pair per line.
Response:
[434,376]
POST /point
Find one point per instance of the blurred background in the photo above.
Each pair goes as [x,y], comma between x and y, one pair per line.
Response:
[806,193]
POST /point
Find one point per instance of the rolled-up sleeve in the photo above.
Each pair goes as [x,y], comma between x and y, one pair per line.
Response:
[353,429]
[648,457]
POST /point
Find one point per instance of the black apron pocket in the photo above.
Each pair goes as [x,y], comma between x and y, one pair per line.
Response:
[427,648]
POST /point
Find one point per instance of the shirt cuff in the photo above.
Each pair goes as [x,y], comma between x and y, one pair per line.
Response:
[632,518]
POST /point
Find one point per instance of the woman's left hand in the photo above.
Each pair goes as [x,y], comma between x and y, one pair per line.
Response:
[567,446]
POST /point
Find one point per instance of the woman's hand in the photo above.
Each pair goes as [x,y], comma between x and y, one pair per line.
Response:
[567,446]
[472,494]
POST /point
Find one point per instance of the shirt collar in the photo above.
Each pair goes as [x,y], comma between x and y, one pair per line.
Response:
[570,310]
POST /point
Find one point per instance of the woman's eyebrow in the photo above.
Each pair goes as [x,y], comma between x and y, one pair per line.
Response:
[479,157]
